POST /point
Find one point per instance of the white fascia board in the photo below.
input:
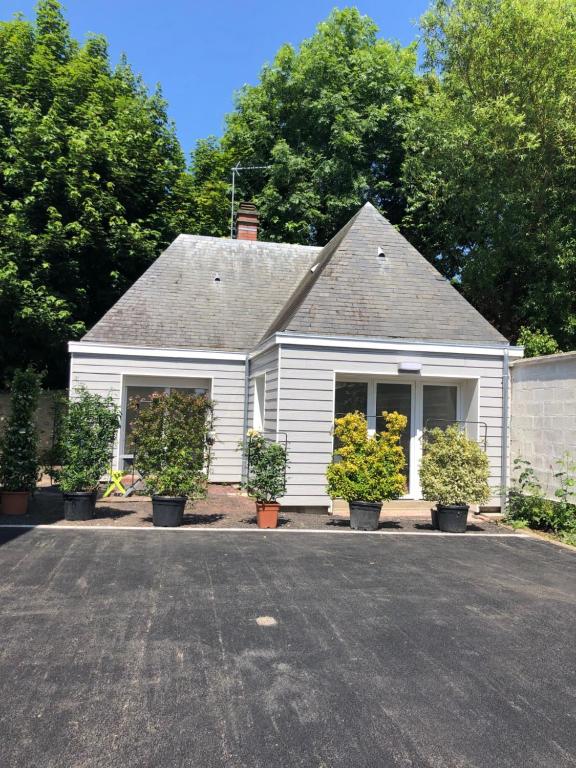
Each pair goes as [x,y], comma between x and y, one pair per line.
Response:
[92,348]
[353,342]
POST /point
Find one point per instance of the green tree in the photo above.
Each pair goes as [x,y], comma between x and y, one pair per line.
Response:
[536,342]
[329,119]
[91,178]
[490,173]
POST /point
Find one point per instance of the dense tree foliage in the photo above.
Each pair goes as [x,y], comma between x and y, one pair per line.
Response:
[474,158]
[91,186]
[328,118]
[491,158]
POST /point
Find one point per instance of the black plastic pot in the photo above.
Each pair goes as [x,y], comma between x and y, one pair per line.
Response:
[364,515]
[79,505]
[434,516]
[453,518]
[168,511]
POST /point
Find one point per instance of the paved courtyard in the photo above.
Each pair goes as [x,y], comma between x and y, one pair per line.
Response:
[250,650]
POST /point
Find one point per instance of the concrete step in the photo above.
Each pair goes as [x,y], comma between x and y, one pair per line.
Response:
[397,508]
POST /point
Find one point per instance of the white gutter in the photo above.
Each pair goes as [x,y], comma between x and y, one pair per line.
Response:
[505,417]
[92,348]
[244,469]
[355,342]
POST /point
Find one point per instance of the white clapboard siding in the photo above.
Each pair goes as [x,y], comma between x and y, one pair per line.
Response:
[109,374]
[306,407]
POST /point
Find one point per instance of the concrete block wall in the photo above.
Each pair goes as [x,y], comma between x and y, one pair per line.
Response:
[543,413]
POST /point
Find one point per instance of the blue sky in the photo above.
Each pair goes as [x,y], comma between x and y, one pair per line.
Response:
[201,51]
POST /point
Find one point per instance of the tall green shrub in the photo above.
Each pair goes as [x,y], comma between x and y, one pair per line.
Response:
[88,431]
[19,465]
[370,467]
[171,446]
[454,469]
[267,463]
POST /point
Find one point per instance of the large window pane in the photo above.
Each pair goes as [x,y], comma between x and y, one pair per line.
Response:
[350,396]
[439,406]
[137,398]
[396,397]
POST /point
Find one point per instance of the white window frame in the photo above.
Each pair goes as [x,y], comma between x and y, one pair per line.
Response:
[161,382]
[259,402]
[417,384]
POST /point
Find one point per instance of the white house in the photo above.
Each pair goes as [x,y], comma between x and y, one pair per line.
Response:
[284,337]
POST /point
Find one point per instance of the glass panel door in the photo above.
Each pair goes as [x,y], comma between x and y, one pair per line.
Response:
[396,397]
[350,396]
[439,406]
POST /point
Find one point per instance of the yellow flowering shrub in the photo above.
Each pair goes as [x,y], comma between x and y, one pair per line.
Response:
[370,467]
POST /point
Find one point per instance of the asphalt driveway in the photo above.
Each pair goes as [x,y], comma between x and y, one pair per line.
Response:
[323,650]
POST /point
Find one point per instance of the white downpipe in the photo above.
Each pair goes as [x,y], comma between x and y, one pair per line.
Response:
[505,419]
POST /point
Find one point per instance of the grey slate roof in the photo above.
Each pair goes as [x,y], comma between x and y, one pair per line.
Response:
[400,295]
[178,303]
[268,287]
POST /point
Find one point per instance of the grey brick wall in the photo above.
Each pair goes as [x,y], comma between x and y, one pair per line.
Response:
[543,415]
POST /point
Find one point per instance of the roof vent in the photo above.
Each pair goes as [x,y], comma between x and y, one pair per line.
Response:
[381,252]
[216,278]
[313,268]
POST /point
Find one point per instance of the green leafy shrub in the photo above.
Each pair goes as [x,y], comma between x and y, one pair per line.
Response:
[170,439]
[537,342]
[267,463]
[19,464]
[370,467]
[527,505]
[88,429]
[454,469]
[52,457]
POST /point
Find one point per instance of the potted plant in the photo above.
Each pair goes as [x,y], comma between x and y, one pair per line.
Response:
[368,469]
[170,438]
[267,463]
[19,465]
[454,473]
[87,432]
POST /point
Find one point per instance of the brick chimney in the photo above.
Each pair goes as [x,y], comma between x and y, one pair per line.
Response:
[247,222]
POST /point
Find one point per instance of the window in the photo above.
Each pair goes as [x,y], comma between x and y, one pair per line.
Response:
[439,406]
[139,397]
[259,402]
[396,397]
[351,396]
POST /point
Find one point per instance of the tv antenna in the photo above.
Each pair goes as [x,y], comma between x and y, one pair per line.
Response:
[236,171]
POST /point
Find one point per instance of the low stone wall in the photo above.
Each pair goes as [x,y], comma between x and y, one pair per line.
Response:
[543,413]
[44,415]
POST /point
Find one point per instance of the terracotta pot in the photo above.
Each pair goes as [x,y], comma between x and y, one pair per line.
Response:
[15,502]
[267,514]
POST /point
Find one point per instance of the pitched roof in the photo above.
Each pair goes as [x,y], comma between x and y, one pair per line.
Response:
[222,294]
[354,291]
[179,302]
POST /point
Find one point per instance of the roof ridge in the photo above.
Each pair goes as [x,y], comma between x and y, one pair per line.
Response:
[310,278]
[378,284]
[250,244]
